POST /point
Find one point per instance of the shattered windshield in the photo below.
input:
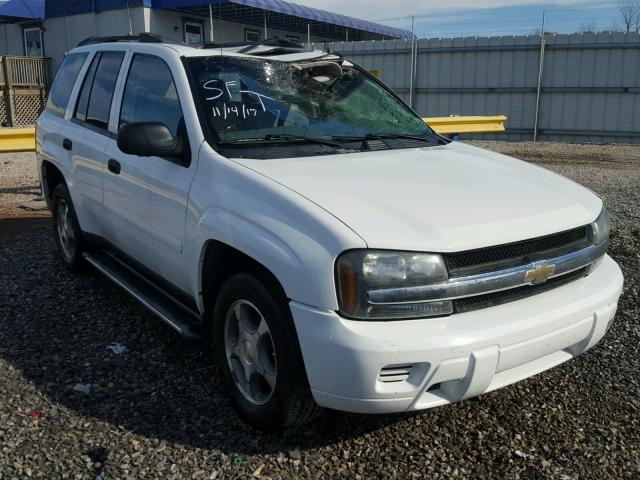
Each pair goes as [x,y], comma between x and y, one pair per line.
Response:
[247,100]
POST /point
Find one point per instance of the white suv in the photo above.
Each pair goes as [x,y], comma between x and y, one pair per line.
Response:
[289,206]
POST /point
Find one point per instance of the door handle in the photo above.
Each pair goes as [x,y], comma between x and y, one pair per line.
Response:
[114,166]
[67,144]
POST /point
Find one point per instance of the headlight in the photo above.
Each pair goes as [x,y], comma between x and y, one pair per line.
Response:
[360,271]
[599,230]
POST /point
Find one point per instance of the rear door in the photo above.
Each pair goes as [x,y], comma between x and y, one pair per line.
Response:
[88,133]
[56,137]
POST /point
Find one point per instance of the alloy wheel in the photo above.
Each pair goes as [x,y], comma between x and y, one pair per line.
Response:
[65,229]
[250,352]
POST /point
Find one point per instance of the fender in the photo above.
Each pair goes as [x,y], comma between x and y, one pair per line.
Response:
[49,149]
[52,153]
[296,240]
[56,156]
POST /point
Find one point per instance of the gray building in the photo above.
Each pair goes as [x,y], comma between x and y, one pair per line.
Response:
[53,27]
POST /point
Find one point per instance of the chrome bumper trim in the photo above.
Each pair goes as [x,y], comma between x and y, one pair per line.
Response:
[470,286]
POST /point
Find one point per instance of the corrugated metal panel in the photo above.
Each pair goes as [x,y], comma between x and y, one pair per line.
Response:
[590,88]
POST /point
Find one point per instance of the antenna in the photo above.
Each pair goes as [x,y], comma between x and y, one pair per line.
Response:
[210,22]
[266,32]
[129,15]
[220,23]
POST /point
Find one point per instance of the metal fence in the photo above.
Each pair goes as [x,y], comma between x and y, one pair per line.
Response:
[24,84]
[589,89]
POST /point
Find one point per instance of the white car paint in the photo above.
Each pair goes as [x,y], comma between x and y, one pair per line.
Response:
[466,354]
[296,216]
[294,238]
[438,199]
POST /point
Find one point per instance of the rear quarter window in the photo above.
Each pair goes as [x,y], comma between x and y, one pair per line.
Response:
[64,82]
[94,100]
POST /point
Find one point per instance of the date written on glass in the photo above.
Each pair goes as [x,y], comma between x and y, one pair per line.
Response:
[235,109]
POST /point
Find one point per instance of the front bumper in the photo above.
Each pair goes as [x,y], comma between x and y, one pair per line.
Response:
[444,360]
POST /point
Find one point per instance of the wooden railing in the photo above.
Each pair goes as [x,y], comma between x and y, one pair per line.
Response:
[24,85]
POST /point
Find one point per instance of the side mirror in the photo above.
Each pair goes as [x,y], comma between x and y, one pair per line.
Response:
[149,139]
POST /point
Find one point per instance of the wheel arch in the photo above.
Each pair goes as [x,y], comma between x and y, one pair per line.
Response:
[51,176]
[219,262]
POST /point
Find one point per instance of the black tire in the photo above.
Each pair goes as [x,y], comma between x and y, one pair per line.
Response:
[71,249]
[291,403]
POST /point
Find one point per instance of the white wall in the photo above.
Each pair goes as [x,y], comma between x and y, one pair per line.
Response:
[11,42]
[170,24]
[64,33]
[61,34]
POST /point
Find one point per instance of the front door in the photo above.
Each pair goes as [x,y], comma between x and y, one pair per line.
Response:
[147,198]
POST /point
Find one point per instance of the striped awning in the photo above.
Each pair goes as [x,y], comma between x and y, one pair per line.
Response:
[295,10]
[21,9]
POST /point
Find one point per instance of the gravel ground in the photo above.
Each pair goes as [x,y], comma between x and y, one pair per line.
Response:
[18,181]
[158,410]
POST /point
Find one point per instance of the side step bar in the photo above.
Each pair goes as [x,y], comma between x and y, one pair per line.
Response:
[178,316]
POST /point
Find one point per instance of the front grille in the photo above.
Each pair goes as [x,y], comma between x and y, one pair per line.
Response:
[513,254]
[498,298]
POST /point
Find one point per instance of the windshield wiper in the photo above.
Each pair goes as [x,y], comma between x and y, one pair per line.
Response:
[286,136]
[382,136]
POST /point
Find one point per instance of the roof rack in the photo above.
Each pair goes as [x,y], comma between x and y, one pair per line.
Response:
[140,38]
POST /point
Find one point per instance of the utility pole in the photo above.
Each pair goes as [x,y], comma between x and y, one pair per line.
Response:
[540,71]
[413,62]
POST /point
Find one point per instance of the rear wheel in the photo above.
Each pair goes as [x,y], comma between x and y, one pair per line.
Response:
[257,349]
[68,235]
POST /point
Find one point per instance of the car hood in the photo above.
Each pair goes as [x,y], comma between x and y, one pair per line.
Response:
[440,199]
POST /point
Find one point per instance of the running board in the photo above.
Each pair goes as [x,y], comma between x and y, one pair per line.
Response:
[170,310]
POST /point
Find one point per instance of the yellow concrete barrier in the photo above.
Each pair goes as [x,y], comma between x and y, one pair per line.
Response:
[23,139]
[458,125]
[17,139]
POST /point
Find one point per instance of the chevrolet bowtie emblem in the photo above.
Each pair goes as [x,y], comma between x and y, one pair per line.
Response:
[540,273]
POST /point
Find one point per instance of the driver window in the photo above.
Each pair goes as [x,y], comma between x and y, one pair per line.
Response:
[150,95]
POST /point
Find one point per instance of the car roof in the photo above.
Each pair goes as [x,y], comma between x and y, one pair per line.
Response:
[264,50]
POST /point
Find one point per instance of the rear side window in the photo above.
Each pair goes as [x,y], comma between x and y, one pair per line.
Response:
[64,82]
[85,91]
[94,102]
[150,95]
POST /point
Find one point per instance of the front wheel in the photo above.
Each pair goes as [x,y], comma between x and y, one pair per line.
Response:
[257,349]
[67,231]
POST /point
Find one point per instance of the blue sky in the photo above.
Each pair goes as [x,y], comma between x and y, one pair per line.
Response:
[482,18]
